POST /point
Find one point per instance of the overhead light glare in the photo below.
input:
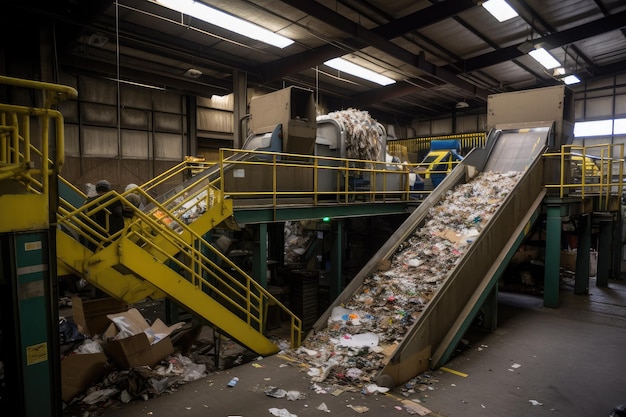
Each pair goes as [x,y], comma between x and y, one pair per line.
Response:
[136,84]
[571,79]
[357,70]
[544,58]
[500,9]
[226,21]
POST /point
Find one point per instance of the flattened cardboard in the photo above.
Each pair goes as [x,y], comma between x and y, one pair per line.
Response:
[81,371]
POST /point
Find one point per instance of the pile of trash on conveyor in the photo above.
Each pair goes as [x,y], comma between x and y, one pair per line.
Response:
[352,349]
[364,135]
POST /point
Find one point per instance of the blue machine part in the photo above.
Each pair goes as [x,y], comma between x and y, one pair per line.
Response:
[451,144]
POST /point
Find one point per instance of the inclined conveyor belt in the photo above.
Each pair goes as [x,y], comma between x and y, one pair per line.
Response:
[444,319]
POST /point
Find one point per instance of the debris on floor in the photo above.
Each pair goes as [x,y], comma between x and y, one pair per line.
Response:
[365,329]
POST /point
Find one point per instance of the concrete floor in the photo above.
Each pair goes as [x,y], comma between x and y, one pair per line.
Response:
[569,361]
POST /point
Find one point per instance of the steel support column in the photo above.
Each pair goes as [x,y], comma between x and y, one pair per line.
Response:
[581,285]
[336,257]
[553,256]
[605,236]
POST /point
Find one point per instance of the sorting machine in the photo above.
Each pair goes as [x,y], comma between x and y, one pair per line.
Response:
[472,282]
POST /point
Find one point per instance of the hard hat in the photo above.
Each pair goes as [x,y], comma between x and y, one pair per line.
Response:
[103,185]
[134,199]
[130,187]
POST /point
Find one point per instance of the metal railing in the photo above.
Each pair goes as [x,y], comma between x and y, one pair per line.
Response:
[205,267]
[586,171]
[16,159]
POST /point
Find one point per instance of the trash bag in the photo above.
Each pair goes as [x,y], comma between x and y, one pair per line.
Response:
[68,331]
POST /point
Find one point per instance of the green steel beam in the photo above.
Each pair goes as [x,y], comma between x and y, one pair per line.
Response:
[245,215]
[553,256]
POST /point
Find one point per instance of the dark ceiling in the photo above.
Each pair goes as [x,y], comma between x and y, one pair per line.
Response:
[439,53]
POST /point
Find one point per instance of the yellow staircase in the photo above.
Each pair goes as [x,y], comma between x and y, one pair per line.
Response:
[159,253]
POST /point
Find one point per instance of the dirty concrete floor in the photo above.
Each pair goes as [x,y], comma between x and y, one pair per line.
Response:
[568,361]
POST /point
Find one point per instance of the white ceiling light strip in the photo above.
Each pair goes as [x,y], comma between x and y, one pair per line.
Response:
[356,70]
[226,21]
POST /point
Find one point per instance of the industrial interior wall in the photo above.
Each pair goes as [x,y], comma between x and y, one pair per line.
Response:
[125,140]
[459,123]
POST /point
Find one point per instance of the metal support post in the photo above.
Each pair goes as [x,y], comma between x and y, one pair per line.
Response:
[581,284]
[553,256]
[605,235]
[616,270]
[336,276]
[259,256]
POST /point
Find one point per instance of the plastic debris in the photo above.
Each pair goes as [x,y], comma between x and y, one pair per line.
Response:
[358,408]
[281,412]
[323,407]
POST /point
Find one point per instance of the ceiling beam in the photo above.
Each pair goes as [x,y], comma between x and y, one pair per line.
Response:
[555,40]
[361,37]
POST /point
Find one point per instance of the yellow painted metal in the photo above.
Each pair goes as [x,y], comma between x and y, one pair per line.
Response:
[23,212]
[75,258]
[584,171]
[195,299]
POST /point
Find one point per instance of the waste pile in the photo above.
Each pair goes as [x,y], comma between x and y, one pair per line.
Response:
[364,135]
[362,332]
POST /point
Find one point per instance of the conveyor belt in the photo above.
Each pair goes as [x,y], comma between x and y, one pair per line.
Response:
[474,275]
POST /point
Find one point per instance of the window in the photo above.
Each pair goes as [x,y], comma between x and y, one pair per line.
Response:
[600,128]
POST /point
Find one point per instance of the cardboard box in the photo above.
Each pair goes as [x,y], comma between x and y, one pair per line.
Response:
[132,342]
[568,260]
[91,314]
[81,371]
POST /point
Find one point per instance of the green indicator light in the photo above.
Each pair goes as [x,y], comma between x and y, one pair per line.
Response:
[325,219]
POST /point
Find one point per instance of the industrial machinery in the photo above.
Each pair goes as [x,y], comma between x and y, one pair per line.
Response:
[434,330]
[441,159]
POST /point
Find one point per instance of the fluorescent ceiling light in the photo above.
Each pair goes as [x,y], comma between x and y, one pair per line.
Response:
[500,9]
[224,20]
[571,79]
[347,66]
[544,58]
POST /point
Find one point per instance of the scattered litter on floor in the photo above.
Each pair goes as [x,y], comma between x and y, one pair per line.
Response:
[534,402]
[281,412]
[359,408]
[323,407]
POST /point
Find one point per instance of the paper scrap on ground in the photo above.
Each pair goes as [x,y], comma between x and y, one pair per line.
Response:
[281,412]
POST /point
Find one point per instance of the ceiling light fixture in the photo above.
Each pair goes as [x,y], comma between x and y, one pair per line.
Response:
[350,68]
[544,58]
[571,79]
[500,9]
[461,105]
[226,21]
